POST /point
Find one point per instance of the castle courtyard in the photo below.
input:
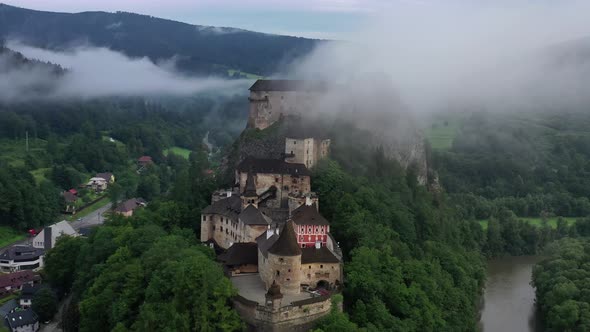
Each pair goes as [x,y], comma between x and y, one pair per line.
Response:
[252,288]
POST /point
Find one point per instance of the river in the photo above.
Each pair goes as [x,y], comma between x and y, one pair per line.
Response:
[509,299]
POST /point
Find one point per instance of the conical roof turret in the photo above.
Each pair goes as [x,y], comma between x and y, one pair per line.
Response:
[286,244]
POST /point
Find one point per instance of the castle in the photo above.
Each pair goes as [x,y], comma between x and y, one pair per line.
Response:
[277,247]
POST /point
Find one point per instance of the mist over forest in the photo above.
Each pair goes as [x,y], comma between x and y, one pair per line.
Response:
[459,134]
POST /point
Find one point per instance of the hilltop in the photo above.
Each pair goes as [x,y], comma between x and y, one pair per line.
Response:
[197,49]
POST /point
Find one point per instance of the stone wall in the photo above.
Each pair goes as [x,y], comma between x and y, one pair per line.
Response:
[313,273]
[307,151]
[297,316]
[226,231]
[285,184]
[267,107]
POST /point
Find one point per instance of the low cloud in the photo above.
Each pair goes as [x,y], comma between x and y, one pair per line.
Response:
[462,54]
[99,72]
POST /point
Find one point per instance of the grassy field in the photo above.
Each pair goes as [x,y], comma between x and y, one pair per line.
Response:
[231,72]
[185,153]
[8,298]
[442,130]
[39,174]
[552,222]
[9,236]
[89,209]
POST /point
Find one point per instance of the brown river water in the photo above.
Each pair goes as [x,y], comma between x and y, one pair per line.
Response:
[509,299]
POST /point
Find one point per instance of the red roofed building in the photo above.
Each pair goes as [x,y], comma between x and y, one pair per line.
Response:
[144,160]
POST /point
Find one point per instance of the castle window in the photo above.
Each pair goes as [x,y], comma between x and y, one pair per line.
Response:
[288,279]
[294,142]
[221,228]
[289,270]
[310,267]
[321,266]
[210,218]
[204,218]
[286,188]
[281,260]
[213,227]
[276,179]
[308,276]
[303,245]
[278,273]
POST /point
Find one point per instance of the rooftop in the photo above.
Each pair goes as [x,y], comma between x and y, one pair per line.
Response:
[252,216]
[272,166]
[289,85]
[131,204]
[308,215]
[21,318]
[106,176]
[16,279]
[229,207]
[21,253]
[240,254]
[321,255]
[286,244]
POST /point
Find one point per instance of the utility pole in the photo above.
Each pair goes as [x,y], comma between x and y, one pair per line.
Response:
[27,139]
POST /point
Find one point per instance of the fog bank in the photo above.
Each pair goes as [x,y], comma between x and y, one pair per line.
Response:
[100,72]
[463,54]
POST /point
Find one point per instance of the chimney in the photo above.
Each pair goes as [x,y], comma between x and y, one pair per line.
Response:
[47,238]
[308,201]
[318,245]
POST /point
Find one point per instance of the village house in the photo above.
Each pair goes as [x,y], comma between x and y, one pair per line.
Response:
[13,282]
[47,238]
[23,321]
[19,258]
[101,181]
[27,294]
[70,199]
[144,161]
[8,307]
[126,208]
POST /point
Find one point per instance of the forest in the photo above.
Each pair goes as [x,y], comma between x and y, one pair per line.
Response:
[562,287]
[71,141]
[414,257]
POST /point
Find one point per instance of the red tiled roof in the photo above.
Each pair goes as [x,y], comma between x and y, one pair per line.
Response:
[16,279]
[145,159]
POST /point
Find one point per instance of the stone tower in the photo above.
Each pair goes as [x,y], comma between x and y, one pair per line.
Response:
[284,261]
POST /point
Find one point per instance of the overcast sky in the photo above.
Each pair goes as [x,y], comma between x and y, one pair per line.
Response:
[307,18]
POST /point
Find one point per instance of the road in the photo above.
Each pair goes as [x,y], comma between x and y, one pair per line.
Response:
[95,218]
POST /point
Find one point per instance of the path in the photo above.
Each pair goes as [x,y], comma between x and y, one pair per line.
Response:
[95,218]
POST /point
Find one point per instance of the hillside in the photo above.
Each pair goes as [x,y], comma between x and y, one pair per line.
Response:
[198,49]
[19,74]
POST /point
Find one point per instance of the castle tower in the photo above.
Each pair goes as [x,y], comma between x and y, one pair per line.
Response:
[249,196]
[284,261]
[274,296]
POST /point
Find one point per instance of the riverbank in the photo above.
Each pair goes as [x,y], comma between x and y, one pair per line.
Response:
[509,298]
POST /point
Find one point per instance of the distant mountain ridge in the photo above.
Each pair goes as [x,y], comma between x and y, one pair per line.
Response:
[196,49]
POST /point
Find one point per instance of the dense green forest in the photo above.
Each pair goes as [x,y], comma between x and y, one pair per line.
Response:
[562,285]
[70,141]
[533,164]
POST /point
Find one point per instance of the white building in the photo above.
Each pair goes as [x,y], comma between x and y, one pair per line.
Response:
[20,258]
[47,238]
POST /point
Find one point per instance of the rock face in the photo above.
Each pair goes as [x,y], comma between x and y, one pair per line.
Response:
[408,149]
[281,109]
